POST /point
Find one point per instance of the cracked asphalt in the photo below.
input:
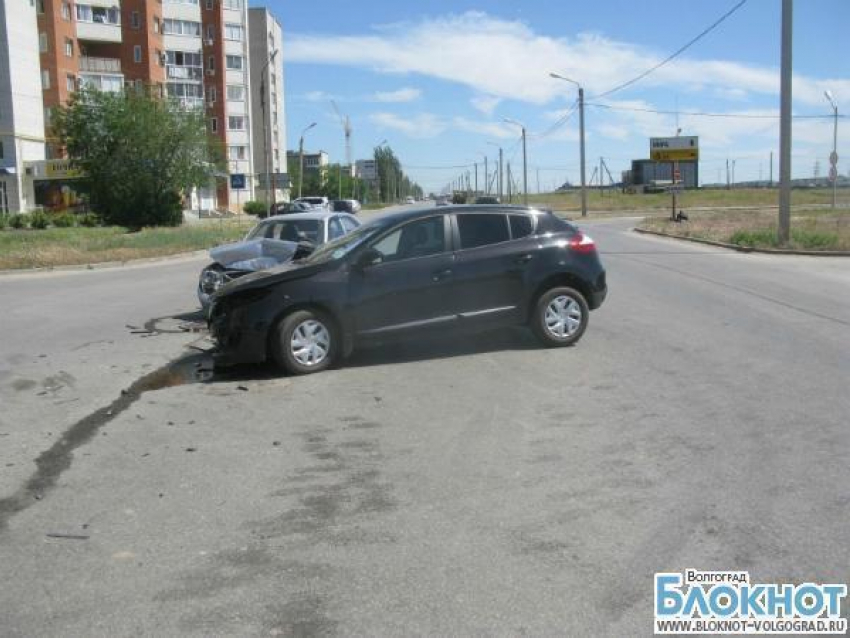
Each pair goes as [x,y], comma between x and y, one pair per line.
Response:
[475,485]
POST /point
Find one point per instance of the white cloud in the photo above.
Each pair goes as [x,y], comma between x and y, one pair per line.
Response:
[502,59]
[485,103]
[317,96]
[401,95]
[489,128]
[422,125]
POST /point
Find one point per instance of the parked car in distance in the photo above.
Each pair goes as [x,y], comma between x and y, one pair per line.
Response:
[272,242]
[409,200]
[443,200]
[287,208]
[346,206]
[410,274]
[315,202]
[487,199]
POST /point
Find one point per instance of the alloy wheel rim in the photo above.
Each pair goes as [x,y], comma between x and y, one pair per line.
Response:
[563,316]
[310,343]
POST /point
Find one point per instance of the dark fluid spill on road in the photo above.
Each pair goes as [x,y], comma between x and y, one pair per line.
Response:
[194,368]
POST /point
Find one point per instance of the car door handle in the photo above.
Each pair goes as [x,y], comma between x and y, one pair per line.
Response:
[441,274]
[524,259]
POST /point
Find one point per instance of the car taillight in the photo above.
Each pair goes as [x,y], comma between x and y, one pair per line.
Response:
[582,243]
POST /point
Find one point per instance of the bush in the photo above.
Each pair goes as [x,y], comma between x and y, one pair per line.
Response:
[458,198]
[256,208]
[64,220]
[18,221]
[39,220]
[89,220]
[3,221]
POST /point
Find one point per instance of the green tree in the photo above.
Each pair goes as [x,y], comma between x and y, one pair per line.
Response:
[138,153]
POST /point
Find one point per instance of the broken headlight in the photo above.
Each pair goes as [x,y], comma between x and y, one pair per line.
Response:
[211,280]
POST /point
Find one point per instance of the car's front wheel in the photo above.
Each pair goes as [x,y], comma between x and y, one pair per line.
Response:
[560,317]
[305,341]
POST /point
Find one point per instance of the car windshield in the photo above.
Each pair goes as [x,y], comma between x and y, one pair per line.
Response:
[289,230]
[341,247]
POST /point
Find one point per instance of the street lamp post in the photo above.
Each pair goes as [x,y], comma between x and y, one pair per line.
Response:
[301,159]
[581,140]
[500,167]
[833,159]
[524,160]
[270,202]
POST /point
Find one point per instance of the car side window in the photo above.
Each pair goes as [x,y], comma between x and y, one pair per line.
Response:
[335,229]
[349,224]
[521,226]
[419,238]
[482,229]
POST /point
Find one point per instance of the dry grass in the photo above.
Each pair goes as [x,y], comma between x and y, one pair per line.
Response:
[78,246]
[810,229]
[748,197]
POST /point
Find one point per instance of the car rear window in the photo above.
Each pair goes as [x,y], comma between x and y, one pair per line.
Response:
[482,229]
[290,230]
[521,226]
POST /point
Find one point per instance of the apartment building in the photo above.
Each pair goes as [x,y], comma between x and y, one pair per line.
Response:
[21,115]
[194,51]
[267,108]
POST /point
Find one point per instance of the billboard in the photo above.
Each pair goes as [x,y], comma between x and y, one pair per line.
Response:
[674,149]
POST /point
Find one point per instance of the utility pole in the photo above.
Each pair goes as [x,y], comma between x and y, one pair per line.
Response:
[733,173]
[524,159]
[510,181]
[727,173]
[771,169]
[538,181]
[500,172]
[784,227]
[301,159]
[581,138]
[486,177]
[833,158]
[476,179]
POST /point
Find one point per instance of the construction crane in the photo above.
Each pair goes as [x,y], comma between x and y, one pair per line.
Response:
[346,127]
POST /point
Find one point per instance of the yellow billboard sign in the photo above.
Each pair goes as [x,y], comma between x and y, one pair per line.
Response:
[61,169]
[674,149]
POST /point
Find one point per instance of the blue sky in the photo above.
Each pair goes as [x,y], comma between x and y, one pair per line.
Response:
[437,79]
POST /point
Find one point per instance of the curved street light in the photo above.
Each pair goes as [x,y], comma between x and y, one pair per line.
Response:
[524,159]
[557,76]
[301,159]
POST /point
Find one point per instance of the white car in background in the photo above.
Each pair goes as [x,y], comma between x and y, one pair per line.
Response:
[272,242]
[316,202]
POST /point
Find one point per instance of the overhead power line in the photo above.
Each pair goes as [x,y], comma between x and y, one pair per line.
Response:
[755,116]
[675,54]
[558,124]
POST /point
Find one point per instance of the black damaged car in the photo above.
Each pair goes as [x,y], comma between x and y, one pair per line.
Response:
[411,274]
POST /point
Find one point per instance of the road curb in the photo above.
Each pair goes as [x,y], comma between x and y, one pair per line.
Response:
[747,249]
[102,265]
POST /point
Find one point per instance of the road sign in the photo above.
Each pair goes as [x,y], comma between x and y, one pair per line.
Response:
[833,158]
[237,181]
[833,173]
[671,149]
[280,180]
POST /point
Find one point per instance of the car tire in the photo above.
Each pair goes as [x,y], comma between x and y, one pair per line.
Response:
[305,341]
[560,317]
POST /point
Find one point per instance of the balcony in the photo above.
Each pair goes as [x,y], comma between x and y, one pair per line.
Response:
[99,65]
[98,32]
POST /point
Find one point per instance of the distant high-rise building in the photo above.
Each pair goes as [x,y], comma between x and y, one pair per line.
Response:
[267,107]
[194,51]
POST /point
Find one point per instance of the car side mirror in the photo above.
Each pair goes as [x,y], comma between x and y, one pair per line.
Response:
[368,257]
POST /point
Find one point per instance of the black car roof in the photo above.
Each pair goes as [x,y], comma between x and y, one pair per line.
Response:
[416,213]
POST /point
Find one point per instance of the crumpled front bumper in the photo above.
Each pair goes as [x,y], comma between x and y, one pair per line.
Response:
[237,339]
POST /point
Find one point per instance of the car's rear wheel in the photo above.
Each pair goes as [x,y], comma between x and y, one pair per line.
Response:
[306,341]
[560,317]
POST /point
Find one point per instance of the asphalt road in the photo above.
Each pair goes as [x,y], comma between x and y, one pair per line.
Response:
[471,486]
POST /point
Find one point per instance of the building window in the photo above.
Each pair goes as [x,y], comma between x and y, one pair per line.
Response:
[100,15]
[39,6]
[135,22]
[234,62]
[70,83]
[210,33]
[42,42]
[137,54]
[156,25]
[236,92]
[211,65]
[183,65]
[48,115]
[181,27]
[209,5]
[232,4]
[189,94]
[66,11]
[2,155]
[160,57]
[236,122]
[214,125]
[211,93]
[237,153]
[233,32]
[69,48]
[194,2]
[45,79]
